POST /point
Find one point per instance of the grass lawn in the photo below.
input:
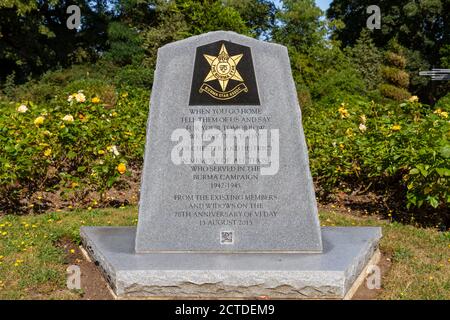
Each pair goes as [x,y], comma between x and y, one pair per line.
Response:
[33,263]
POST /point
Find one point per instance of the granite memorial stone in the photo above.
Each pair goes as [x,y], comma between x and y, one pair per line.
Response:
[226,163]
[227,206]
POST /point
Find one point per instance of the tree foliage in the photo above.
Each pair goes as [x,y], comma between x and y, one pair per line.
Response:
[179,19]
[367,59]
[320,67]
[323,52]
[34,37]
[258,15]
[422,27]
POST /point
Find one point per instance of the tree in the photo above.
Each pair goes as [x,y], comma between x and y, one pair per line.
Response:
[139,14]
[316,60]
[179,19]
[300,25]
[422,27]
[124,44]
[258,15]
[367,59]
[34,37]
[445,56]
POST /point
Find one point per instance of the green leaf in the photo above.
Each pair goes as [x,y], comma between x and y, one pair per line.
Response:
[443,172]
[71,155]
[111,181]
[423,170]
[445,151]
[433,201]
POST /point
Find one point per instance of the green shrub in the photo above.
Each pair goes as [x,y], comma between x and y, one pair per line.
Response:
[366,58]
[396,60]
[140,77]
[54,83]
[400,150]
[338,85]
[76,145]
[393,75]
[444,102]
[124,45]
[396,79]
[393,92]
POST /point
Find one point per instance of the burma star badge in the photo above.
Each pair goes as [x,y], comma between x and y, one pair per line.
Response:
[223,74]
[223,67]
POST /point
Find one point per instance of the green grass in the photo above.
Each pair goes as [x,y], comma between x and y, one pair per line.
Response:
[32,265]
[420,257]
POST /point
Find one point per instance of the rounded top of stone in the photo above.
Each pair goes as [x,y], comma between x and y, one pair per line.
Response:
[221,35]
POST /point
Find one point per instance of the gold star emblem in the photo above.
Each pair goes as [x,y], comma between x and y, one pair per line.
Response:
[223,67]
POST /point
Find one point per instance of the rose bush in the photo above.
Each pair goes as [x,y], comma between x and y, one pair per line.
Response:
[398,150]
[73,141]
[91,137]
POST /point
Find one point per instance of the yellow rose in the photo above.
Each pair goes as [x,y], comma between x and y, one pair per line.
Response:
[414,99]
[440,113]
[344,112]
[80,97]
[48,152]
[95,100]
[68,118]
[39,120]
[349,132]
[363,119]
[121,168]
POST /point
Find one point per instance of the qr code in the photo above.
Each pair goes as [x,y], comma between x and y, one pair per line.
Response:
[226,237]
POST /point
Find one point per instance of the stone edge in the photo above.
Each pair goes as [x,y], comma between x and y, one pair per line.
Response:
[376,257]
[95,255]
[352,278]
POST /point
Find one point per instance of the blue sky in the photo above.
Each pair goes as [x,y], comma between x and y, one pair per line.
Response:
[323,4]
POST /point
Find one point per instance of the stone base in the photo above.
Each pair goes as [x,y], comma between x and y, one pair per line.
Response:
[327,275]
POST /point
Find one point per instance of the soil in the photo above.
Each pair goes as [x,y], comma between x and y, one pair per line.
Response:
[364,293]
[94,286]
[125,192]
